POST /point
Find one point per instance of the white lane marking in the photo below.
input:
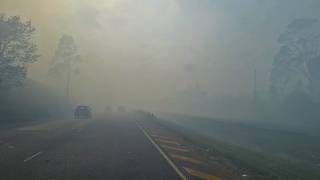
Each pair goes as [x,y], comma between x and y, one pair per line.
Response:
[183,177]
[31,157]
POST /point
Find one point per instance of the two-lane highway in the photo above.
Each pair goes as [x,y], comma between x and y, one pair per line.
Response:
[110,147]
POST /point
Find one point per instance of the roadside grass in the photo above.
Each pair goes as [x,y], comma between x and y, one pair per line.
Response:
[259,163]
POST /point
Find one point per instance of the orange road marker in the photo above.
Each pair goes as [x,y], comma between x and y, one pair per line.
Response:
[201,174]
[167,141]
[161,137]
[183,177]
[175,148]
[184,158]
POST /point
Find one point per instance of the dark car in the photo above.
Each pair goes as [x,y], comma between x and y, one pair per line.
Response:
[82,112]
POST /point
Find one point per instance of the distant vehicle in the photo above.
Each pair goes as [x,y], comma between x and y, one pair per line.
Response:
[82,112]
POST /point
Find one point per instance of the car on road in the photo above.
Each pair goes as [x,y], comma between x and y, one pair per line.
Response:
[82,112]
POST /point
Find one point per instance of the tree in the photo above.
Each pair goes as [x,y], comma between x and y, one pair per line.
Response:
[16,50]
[296,66]
[63,60]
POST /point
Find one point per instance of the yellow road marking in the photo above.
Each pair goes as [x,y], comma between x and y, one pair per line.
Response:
[175,148]
[200,174]
[184,158]
[161,137]
[167,141]
[183,177]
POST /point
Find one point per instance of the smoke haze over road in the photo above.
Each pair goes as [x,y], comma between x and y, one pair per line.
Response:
[150,53]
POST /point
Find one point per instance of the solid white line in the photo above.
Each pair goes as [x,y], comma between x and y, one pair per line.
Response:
[31,157]
[183,177]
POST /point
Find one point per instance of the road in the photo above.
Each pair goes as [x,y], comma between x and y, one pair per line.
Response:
[108,147]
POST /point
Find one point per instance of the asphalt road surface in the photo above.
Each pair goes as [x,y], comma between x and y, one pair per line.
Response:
[109,147]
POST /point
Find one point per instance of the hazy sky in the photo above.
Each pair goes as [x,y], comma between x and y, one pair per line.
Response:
[143,51]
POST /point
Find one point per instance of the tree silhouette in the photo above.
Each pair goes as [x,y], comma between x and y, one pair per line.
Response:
[296,66]
[63,60]
[16,50]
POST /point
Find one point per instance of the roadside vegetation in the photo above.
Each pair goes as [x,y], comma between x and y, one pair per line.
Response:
[22,99]
[261,164]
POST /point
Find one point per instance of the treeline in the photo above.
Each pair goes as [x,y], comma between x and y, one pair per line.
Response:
[294,95]
[32,101]
[21,98]
[297,111]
